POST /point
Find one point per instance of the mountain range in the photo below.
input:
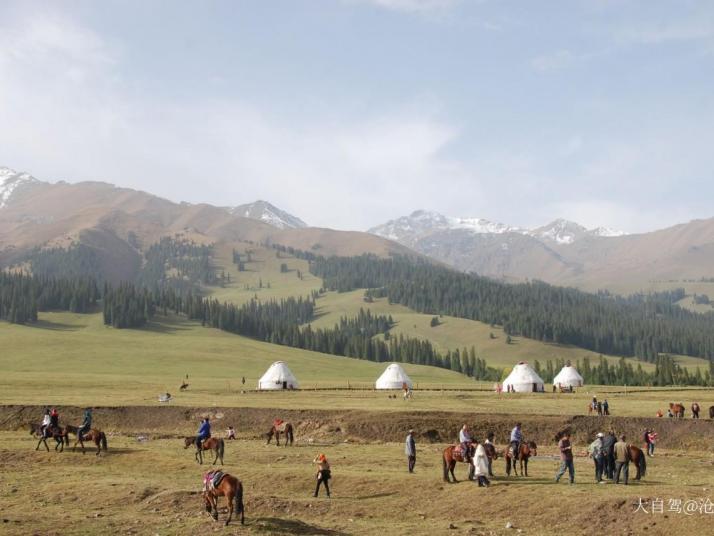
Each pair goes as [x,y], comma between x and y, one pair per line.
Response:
[120,223]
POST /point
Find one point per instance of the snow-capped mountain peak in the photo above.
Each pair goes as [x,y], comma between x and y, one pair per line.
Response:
[10,181]
[560,231]
[268,213]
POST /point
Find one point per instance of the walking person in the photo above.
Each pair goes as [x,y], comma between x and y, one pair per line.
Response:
[566,459]
[608,449]
[410,451]
[323,474]
[652,439]
[480,462]
[622,460]
[597,454]
[605,407]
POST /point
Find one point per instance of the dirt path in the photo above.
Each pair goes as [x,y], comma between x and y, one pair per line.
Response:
[369,426]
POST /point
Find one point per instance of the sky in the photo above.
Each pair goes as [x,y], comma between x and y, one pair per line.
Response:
[348,113]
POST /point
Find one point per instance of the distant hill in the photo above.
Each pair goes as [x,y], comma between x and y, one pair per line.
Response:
[561,252]
[119,224]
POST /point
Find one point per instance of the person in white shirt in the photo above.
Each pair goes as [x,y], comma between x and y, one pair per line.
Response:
[480,462]
[45,422]
[465,440]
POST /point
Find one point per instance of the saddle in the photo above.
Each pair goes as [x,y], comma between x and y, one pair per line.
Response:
[212,479]
[279,425]
[458,451]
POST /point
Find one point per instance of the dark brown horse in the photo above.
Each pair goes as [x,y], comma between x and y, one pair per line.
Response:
[97,436]
[711,412]
[453,454]
[215,444]
[638,458]
[55,433]
[491,454]
[677,410]
[284,428]
[695,410]
[229,487]
[525,451]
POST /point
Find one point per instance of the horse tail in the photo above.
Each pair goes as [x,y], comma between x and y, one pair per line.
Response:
[289,429]
[446,467]
[239,502]
[643,464]
[103,439]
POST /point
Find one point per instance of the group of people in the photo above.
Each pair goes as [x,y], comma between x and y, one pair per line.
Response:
[611,457]
[601,408]
[51,418]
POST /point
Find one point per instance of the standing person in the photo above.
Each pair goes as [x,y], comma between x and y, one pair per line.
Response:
[45,422]
[489,441]
[652,437]
[566,459]
[516,438]
[410,451]
[323,474]
[608,450]
[204,432]
[597,454]
[465,440]
[622,460]
[480,462]
[605,407]
[695,410]
[646,439]
[86,424]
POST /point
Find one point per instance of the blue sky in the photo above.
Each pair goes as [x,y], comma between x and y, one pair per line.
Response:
[351,112]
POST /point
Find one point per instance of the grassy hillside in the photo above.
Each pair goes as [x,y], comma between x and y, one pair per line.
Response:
[76,359]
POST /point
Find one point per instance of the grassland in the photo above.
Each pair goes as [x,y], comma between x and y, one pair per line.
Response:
[152,487]
[73,358]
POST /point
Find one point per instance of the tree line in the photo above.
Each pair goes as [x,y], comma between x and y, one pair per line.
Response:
[642,326]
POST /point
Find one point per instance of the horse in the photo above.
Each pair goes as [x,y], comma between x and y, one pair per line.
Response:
[97,436]
[639,459]
[285,428]
[229,487]
[55,433]
[526,450]
[215,444]
[695,410]
[491,454]
[677,409]
[453,454]
[711,412]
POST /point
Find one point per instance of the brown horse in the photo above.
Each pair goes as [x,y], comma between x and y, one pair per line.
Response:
[229,487]
[639,459]
[526,450]
[97,436]
[215,444]
[285,428]
[695,410]
[677,410]
[55,433]
[453,454]
[711,412]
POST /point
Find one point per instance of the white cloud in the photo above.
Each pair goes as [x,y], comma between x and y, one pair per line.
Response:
[553,61]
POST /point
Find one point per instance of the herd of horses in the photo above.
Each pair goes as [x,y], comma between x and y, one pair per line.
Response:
[61,436]
[677,410]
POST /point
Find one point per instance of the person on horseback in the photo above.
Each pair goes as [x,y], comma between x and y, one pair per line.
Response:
[516,439]
[54,419]
[465,440]
[86,423]
[45,422]
[204,432]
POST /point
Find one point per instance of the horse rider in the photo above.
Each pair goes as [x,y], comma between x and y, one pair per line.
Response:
[46,419]
[516,439]
[204,432]
[465,440]
[86,423]
[54,419]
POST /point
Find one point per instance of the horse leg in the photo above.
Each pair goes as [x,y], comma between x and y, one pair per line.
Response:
[452,467]
[229,498]
[526,466]
[446,469]
[277,438]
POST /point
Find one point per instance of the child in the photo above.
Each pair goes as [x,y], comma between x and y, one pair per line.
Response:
[231,433]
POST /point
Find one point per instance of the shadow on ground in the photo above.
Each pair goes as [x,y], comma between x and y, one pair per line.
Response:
[274,525]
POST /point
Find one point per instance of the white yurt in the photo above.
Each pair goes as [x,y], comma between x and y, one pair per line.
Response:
[278,376]
[393,377]
[568,377]
[523,379]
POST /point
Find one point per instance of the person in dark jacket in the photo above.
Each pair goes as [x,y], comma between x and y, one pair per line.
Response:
[86,423]
[410,451]
[608,449]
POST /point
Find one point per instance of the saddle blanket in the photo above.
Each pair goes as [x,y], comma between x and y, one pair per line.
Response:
[279,425]
[212,479]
